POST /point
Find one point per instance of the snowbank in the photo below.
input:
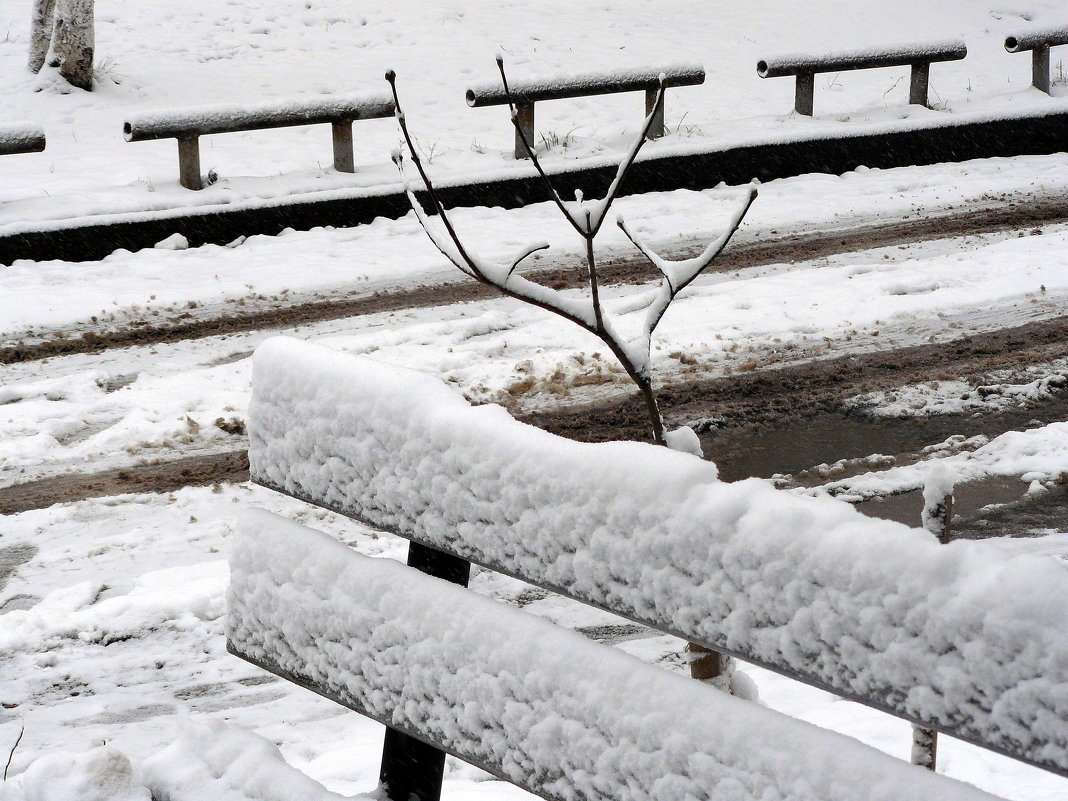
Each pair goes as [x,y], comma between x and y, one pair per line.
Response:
[960,636]
[211,760]
[538,704]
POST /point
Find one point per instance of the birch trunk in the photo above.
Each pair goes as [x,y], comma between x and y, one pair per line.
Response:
[74,40]
[40,33]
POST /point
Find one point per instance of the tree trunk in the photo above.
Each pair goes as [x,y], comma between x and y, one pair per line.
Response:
[74,42]
[40,33]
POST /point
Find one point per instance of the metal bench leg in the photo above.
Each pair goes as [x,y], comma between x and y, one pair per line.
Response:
[1040,69]
[524,115]
[342,135]
[189,162]
[656,130]
[803,92]
[412,770]
[918,81]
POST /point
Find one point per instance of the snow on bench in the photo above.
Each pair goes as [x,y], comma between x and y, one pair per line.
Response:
[526,93]
[958,638]
[917,56]
[535,704]
[21,137]
[188,125]
[1038,41]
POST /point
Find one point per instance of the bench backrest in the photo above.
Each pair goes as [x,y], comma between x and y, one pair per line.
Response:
[532,703]
[959,638]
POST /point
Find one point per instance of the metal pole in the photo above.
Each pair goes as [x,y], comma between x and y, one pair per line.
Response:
[412,770]
[803,92]
[342,136]
[1040,69]
[656,130]
[524,115]
[918,80]
[189,162]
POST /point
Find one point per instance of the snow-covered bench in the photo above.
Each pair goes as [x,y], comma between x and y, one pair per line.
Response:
[537,705]
[1038,41]
[959,638]
[525,94]
[188,125]
[805,67]
[21,138]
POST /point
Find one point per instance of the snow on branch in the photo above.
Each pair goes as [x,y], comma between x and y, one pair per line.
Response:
[586,217]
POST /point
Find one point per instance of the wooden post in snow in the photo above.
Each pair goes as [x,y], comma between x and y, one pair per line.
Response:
[937,518]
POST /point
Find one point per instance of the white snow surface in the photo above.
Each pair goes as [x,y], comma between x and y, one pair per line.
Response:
[960,636]
[174,53]
[1037,454]
[542,706]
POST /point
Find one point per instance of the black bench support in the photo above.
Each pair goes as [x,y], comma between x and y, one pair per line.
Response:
[412,770]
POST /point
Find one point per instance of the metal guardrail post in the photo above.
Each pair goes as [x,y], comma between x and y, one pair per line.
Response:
[524,115]
[341,134]
[804,93]
[524,94]
[1039,43]
[918,57]
[657,129]
[1040,69]
[187,125]
[919,79]
[189,162]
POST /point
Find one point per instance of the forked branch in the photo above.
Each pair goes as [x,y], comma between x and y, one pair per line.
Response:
[586,218]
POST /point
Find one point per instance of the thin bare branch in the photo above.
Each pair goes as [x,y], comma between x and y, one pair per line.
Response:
[648,252]
[527,251]
[529,148]
[11,753]
[435,201]
[625,165]
[679,274]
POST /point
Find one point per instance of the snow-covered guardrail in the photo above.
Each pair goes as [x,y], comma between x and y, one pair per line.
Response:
[917,56]
[526,93]
[958,638]
[21,138]
[537,705]
[1038,41]
[188,125]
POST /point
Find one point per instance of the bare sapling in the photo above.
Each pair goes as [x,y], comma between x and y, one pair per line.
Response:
[586,217]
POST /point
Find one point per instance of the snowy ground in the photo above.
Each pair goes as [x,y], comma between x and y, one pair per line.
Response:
[177,54]
[111,609]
